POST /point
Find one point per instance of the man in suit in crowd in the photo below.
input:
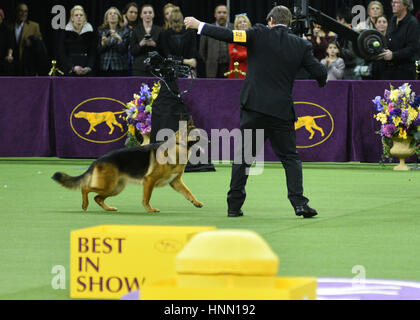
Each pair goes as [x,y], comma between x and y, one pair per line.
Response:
[215,53]
[274,58]
[24,33]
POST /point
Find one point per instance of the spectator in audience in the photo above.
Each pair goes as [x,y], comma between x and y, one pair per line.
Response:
[178,42]
[398,60]
[351,60]
[131,16]
[320,39]
[6,48]
[334,64]
[113,45]
[131,21]
[77,45]
[215,53]
[145,38]
[382,24]
[375,10]
[23,29]
[237,52]
[167,9]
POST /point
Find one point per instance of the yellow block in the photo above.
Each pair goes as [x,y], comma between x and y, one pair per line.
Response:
[228,265]
[108,261]
[284,289]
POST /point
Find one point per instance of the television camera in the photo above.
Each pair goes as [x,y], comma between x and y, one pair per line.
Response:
[367,44]
[168,68]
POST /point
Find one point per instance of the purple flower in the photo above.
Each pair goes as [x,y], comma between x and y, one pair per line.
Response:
[416,122]
[386,96]
[404,116]
[416,103]
[388,130]
[395,113]
[378,104]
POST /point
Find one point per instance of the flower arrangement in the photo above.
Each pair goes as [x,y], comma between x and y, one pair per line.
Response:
[399,115]
[139,113]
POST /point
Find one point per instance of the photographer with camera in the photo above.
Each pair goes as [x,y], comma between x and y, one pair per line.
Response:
[146,38]
[274,59]
[179,43]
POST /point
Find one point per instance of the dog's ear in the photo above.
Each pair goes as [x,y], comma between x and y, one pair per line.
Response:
[190,123]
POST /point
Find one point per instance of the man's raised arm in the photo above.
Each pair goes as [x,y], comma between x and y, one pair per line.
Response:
[218,33]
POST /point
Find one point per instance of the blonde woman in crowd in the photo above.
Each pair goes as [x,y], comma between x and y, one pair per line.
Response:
[113,45]
[179,42]
[77,45]
[375,10]
[167,9]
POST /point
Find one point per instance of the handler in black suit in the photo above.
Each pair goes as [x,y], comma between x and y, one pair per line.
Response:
[274,58]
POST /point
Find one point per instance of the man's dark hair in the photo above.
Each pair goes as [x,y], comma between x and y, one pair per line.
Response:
[345,13]
[280,15]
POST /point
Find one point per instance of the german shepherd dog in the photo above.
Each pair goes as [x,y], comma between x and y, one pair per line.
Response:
[148,165]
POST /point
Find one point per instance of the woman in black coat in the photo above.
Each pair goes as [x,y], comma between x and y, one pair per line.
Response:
[178,42]
[145,39]
[77,45]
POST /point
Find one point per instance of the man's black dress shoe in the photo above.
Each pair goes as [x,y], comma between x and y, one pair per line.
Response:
[305,211]
[235,214]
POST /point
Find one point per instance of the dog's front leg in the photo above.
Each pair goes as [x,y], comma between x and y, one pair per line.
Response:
[179,186]
[148,185]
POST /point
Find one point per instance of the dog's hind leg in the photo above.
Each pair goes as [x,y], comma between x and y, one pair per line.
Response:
[85,199]
[179,186]
[148,185]
[101,201]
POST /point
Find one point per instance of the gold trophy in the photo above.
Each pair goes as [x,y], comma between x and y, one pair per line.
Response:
[54,70]
[235,71]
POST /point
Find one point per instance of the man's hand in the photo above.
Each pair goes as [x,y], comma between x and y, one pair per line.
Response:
[191,23]
[387,55]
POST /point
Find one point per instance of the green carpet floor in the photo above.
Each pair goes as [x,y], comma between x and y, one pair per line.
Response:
[369,215]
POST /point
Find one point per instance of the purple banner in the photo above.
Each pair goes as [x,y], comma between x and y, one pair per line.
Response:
[24,117]
[82,117]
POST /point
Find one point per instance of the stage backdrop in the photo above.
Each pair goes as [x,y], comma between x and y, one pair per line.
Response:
[82,117]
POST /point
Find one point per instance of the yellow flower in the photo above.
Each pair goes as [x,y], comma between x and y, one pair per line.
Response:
[397,121]
[412,114]
[403,134]
[381,117]
[136,96]
[394,95]
[132,129]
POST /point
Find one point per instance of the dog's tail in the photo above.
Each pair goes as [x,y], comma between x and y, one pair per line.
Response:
[68,181]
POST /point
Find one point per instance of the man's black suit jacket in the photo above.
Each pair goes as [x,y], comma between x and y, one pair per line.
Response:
[274,58]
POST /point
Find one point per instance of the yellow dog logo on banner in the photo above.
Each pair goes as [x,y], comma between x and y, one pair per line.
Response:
[319,126]
[97,121]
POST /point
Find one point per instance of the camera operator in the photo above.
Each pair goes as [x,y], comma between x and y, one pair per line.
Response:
[179,42]
[169,108]
[398,61]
